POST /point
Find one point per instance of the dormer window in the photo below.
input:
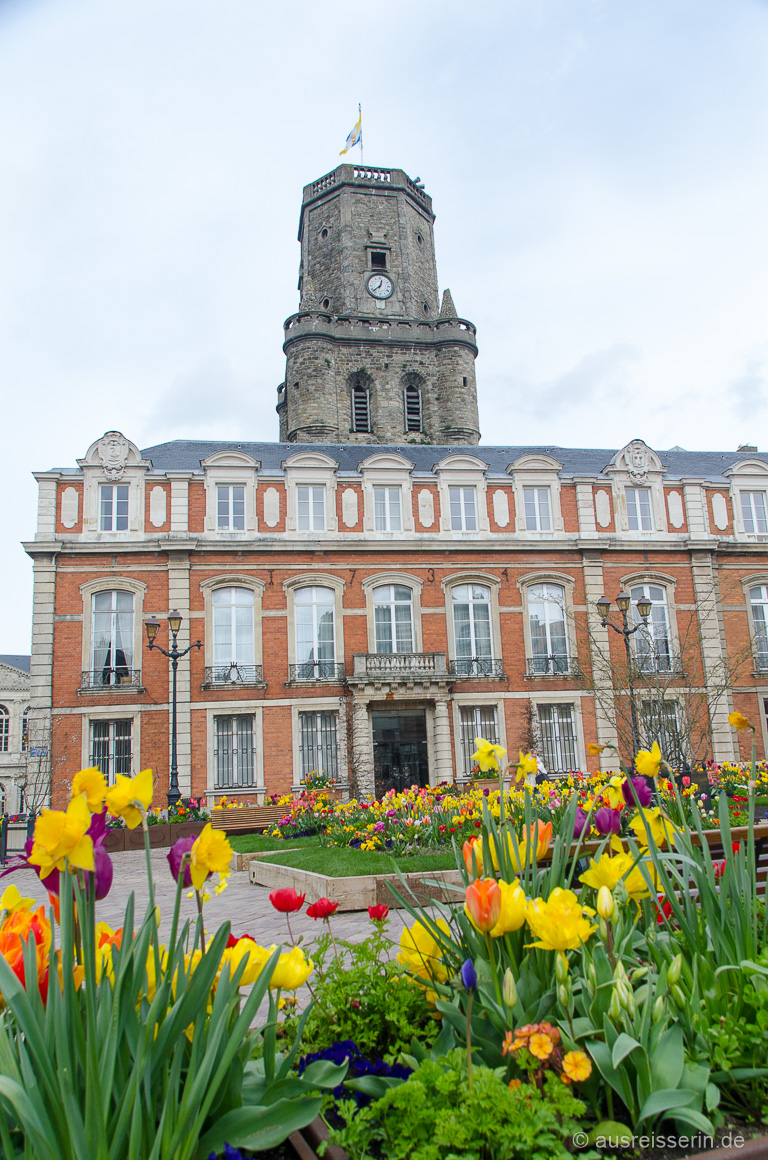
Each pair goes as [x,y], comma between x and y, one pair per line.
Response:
[639,517]
[379,259]
[537,510]
[230,508]
[310,508]
[753,512]
[113,507]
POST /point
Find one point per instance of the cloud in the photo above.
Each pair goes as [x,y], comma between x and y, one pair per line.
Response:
[205,402]
[750,390]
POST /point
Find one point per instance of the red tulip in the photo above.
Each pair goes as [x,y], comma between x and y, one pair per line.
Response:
[323,908]
[663,912]
[286,900]
[719,868]
[378,913]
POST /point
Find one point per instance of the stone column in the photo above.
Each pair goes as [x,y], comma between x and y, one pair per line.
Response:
[362,750]
[713,654]
[178,597]
[443,757]
[41,767]
[599,644]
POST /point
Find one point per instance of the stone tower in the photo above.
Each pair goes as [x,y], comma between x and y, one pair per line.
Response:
[372,356]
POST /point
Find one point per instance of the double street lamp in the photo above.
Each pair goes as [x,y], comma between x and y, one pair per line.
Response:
[623,603]
[174,655]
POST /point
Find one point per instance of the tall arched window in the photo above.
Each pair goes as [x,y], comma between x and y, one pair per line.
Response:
[652,644]
[112,638]
[25,730]
[412,399]
[546,619]
[5,729]
[315,645]
[361,408]
[393,618]
[472,629]
[233,635]
[758,598]
[3,800]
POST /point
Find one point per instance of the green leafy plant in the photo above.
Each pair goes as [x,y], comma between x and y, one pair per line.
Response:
[435,1115]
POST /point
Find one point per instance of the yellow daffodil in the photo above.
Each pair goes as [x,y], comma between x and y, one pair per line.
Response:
[513,908]
[612,791]
[526,766]
[11,901]
[739,721]
[648,761]
[292,970]
[421,953]
[594,749]
[61,837]
[93,784]
[660,826]
[120,797]
[487,756]
[559,924]
[211,854]
[606,871]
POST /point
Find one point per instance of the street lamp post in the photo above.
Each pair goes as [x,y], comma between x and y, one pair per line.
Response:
[623,602]
[174,655]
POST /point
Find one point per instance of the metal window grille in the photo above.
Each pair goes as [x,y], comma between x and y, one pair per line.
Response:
[661,722]
[476,721]
[318,748]
[413,418]
[558,737]
[111,748]
[361,409]
[5,729]
[234,752]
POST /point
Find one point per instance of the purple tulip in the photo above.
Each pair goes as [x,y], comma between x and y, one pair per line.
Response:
[468,975]
[642,790]
[177,851]
[607,821]
[580,822]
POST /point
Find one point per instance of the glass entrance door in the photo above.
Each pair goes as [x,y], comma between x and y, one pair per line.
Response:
[399,749]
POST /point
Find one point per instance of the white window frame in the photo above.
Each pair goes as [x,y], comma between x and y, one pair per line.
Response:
[469,731]
[656,666]
[387,469]
[536,472]
[758,625]
[234,521]
[486,580]
[754,517]
[111,656]
[537,503]
[237,785]
[401,580]
[554,707]
[310,507]
[109,584]
[463,508]
[316,580]
[639,514]
[548,600]
[231,469]
[111,723]
[119,494]
[319,733]
[310,469]
[387,498]
[5,729]
[391,604]
[462,473]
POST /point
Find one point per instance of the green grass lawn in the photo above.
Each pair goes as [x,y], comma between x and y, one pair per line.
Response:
[337,862]
[254,843]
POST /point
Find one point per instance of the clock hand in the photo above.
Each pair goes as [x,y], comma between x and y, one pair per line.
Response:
[376,283]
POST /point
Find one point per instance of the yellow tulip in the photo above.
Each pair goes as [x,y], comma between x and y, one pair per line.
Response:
[559,924]
[211,854]
[487,756]
[120,797]
[61,837]
[254,955]
[739,721]
[291,971]
[421,953]
[605,903]
[514,905]
[608,872]
[647,761]
[93,784]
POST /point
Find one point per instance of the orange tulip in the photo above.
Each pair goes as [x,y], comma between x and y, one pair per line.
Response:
[473,856]
[542,835]
[483,903]
[17,929]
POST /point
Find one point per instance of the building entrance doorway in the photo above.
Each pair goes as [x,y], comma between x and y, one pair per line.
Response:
[399,749]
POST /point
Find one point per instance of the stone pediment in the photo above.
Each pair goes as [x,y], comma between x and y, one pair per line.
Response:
[11,678]
[386,459]
[637,460]
[310,459]
[461,463]
[534,462]
[112,454]
[230,458]
[748,467]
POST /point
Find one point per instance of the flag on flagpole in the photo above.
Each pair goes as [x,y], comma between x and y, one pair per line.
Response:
[354,137]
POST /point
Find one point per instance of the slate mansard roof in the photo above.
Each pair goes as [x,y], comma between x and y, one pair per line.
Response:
[187,455]
[16,661]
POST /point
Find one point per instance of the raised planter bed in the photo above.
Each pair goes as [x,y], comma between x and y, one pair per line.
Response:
[121,838]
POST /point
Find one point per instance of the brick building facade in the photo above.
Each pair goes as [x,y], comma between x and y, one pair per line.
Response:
[371,601]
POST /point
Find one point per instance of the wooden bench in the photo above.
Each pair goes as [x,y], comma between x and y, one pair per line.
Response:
[247,819]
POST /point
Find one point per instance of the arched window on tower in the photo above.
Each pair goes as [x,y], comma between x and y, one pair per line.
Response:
[412,398]
[361,408]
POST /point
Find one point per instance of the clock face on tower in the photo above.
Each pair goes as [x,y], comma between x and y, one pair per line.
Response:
[380,286]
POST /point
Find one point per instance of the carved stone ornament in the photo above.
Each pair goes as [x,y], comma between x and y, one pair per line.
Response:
[113,450]
[638,460]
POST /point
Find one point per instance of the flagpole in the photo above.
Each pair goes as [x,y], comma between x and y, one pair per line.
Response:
[360,119]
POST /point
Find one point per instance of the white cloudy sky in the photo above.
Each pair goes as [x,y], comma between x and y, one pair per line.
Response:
[598,169]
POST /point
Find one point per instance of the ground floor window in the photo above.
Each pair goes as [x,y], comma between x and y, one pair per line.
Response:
[112,748]
[558,737]
[234,752]
[318,747]
[661,722]
[476,721]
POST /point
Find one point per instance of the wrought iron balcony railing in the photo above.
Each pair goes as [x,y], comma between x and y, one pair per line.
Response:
[316,671]
[400,666]
[234,674]
[116,679]
[551,666]
[466,668]
[657,664]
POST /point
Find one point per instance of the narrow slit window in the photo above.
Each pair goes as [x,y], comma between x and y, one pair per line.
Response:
[361,409]
[412,409]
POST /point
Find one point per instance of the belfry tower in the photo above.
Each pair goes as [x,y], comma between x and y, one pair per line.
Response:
[372,356]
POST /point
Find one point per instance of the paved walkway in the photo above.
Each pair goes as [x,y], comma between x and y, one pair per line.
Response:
[246,907]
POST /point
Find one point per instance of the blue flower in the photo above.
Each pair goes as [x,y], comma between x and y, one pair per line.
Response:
[468,975]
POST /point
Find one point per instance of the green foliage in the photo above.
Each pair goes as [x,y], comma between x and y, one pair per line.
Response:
[338,862]
[435,1115]
[364,997]
[255,843]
